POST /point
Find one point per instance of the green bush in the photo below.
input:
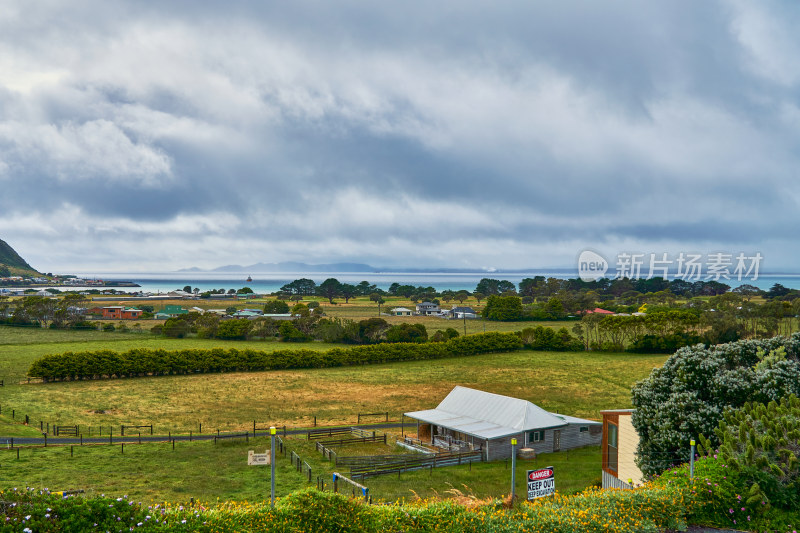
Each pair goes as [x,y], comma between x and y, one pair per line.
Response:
[761,444]
[145,361]
[407,333]
[548,339]
[503,308]
[687,396]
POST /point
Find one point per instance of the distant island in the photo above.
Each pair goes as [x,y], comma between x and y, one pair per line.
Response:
[295,266]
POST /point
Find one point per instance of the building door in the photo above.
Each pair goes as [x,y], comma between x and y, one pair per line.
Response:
[556,440]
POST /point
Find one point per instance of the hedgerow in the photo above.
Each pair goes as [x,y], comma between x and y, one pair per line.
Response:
[158,362]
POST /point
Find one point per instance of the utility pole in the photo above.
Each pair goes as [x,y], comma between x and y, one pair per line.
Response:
[513,469]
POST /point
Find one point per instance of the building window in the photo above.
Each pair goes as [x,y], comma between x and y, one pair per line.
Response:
[584,429]
[536,436]
[612,446]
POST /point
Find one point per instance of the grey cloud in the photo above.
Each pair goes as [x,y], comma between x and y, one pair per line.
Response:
[559,123]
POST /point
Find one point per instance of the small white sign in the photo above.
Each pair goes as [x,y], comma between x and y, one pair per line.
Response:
[258,459]
[541,483]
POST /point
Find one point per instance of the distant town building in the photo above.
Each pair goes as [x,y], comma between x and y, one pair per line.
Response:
[118,312]
[427,309]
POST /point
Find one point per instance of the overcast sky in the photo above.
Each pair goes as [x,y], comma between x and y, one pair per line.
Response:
[161,135]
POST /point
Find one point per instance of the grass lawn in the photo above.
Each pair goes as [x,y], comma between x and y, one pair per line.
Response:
[208,472]
[575,470]
[151,472]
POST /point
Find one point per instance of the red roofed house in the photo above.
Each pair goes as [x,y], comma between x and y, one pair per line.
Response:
[598,311]
[122,313]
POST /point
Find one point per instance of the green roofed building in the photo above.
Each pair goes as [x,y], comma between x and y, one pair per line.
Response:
[170,311]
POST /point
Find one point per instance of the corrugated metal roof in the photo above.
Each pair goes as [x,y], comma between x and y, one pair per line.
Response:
[487,415]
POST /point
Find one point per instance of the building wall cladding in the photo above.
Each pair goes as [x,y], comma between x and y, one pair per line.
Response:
[571,438]
[628,442]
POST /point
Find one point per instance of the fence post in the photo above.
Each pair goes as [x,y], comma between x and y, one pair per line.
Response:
[45,441]
[70,450]
[122,448]
[691,460]
[315,420]
[201,427]
[272,432]
[335,483]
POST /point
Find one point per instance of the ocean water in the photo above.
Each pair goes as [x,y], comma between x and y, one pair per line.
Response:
[273,281]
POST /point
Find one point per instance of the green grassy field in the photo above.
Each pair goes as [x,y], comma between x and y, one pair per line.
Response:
[151,472]
[576,469]
[209,472]
[579,384]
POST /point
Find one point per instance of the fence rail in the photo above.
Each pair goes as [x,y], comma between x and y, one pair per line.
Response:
[354,486]
[327,432]
[438,460]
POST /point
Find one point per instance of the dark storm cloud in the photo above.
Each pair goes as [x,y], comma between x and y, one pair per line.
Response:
[448,132]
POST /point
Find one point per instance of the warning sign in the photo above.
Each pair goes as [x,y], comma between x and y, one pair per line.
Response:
[541,483]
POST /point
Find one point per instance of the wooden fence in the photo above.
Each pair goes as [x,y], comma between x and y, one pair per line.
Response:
[327,432]
[396,467]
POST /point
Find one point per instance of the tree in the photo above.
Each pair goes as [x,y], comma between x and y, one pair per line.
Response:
[235,329]
[372,329]
[301,310]
[289,333]
[504,308]
[176,328]
[776,291]
[378,299]
[688,394]
[479,296]
[407,333]
[276,307]
[330,289]
[230,310]
[245,290]
[365,288]
[461,296]
[488,286]
[302,287]
[348,292]
[187,288]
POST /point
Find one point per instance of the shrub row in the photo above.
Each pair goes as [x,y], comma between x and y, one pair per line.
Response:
[149,362]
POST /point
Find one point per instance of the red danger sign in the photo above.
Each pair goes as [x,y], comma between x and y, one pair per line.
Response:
[533,475]
[541,483]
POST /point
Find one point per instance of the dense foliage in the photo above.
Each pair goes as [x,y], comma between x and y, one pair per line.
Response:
[144,362]
[761,444]
[688,395]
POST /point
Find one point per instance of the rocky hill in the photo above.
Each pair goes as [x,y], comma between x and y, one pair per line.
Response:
[12,260]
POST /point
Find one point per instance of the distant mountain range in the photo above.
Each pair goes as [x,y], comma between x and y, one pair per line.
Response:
[10,258]
[295,267]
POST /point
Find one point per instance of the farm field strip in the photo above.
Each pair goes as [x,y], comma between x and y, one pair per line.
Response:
[579,384]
